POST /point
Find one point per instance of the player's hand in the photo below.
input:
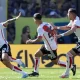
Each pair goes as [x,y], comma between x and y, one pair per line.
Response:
[18,15]
[55,27]
[29,41]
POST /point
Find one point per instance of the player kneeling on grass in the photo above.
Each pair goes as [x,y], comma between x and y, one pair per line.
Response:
[5,51]
[48,35]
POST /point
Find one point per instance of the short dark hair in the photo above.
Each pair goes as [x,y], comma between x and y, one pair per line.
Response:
[37,16]
[72,10]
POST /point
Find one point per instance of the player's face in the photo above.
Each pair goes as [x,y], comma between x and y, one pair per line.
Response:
[35,20]
[70,15]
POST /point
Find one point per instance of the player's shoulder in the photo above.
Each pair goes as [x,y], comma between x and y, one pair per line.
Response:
[77,20]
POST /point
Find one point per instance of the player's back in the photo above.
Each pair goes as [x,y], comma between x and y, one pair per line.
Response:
[48,35]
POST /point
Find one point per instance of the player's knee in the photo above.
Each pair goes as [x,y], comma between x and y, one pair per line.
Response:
[4,57]
[55,61]
[69,54]
[38,54]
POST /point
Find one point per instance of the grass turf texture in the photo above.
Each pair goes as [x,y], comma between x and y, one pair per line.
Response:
[45,74]
[21,22]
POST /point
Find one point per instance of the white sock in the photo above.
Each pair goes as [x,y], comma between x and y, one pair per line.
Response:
[36,64]
[69,63]
[16,69]
[18,61]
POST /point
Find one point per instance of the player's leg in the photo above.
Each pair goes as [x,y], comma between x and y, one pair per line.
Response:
[69,56]
[38,54]
[6,62]
[75,51]
[36,63]
[56,60]
[18,61]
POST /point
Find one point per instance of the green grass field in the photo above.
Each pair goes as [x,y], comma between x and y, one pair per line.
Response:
[45,74]
[21,22]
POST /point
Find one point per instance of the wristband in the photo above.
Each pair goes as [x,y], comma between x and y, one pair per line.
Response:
[62,34]
[58,27]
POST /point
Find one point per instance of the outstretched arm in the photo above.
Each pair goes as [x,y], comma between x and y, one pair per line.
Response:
[68,32]
[61,27]
[11,20]
[39,39]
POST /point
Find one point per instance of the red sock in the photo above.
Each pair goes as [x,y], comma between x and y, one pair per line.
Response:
[61,63]
[36,64]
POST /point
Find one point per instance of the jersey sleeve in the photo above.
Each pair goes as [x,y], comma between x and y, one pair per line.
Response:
[1,26]
[40,32]
[77,23]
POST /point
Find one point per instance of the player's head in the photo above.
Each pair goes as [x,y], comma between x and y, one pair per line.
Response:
[72,13]
[37,18]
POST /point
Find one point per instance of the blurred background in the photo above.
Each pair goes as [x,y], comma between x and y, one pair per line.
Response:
[53,11]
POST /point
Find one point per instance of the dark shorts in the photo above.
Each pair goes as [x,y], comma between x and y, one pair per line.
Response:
[77,49]
[51,54]
[5,49]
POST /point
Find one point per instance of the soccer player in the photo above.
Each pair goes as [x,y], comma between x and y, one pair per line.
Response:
[48,35]
[5,51]
[71,27]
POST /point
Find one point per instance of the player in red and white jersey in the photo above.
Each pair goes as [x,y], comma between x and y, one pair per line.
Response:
[71,27]
[46,33]
[5,51]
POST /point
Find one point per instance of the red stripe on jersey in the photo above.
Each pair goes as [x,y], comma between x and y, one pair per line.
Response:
[3,36]
[52,32]
[47,29]
[48,43]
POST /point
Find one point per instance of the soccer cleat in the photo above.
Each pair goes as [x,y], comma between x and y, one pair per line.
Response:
[25,75]
[34,74]
[22,64]
[64,76]
[74,70]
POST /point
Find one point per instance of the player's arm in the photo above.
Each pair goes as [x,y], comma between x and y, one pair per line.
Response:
[38,39]
[11,20]
[68,32]
[61,27]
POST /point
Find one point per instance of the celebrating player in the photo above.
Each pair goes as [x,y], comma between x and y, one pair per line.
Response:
[5,51]
[71,27]
[48,35]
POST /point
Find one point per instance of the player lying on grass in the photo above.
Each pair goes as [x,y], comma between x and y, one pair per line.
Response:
[5,51]
[46,33]
[71,27]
